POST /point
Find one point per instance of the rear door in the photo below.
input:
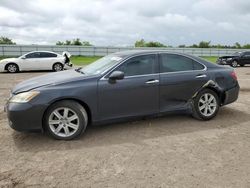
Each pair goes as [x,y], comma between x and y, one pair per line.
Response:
[47,60]
[180,78]
[137,94]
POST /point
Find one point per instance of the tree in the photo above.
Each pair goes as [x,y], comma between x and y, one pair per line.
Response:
[237,45]
[76,42]
[204,44]
[67,42]
[140,43]
[143,43]
[155,44]
[182,46]
[59,43]
[86,43]
[6,40]
[247,46]
[194,46]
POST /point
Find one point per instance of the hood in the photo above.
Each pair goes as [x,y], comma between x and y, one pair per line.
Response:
[49,79]
[8,60]
[228,56]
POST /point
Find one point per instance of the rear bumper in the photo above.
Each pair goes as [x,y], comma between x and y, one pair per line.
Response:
[25,116]
[231,95]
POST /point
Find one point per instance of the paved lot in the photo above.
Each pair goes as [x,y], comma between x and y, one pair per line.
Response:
[173,151]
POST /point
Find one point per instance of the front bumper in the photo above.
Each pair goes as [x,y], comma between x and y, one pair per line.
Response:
[2,66]
[231,95]
[222,62]
[25,116]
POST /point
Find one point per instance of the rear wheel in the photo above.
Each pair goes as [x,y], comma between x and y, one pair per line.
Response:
[206,105]
[66,120]
[57,67]
[12,68]
[234,64]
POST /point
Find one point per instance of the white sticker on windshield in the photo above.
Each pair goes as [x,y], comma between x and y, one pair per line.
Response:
[116,58]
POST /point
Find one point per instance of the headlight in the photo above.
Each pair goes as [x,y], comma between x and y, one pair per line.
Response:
[229,59]
[24,97]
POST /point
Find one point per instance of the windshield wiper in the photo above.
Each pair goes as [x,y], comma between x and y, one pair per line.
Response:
[79,70]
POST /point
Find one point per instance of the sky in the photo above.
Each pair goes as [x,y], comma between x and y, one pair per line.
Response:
[122,22]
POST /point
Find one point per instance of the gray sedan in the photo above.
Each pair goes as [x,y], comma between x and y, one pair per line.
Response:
[121,86]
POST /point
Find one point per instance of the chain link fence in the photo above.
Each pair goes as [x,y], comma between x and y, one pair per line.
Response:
[17,50]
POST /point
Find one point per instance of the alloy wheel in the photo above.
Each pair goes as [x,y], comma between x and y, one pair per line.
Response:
[12,68]
[234,64]
[58,67]
[207,104]
[64,122]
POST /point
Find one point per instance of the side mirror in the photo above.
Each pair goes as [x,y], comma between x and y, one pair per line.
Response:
[23,57]
[116,75]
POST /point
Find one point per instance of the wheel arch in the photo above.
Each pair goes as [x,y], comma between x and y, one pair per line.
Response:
[7,64]
[82,103]
[58,62]
[214,87]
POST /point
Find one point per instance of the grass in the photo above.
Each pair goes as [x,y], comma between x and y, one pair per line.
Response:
[85,60]
[211,58]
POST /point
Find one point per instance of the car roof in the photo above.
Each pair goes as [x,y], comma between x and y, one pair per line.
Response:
[43,51]
[129,53]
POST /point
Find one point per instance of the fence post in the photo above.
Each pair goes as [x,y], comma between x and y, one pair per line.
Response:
[3,50]
[21,50]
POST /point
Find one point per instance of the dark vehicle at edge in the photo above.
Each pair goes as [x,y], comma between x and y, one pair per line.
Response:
[236,59]
[118,87]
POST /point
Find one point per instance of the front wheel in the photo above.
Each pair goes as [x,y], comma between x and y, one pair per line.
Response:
[12,68]
[66,120]
[234,64]
[206,105]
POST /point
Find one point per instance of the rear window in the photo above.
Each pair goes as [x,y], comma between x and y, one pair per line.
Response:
[177,63]
[47,55]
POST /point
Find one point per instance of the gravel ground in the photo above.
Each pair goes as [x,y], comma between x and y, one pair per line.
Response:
[172,151]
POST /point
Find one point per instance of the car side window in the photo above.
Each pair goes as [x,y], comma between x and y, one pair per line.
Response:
[140,65]
[176,63]
[247,54]
[33,55]
[47,55]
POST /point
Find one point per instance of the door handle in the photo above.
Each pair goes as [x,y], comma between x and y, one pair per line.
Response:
[152,81]
[201,76]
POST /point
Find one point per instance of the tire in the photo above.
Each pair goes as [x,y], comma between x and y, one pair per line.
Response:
[202,108]
[65,120]
[12,68]
[234,64]
[57,67]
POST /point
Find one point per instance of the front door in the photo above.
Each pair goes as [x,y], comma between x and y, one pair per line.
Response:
[245,59]
[31,61]
[136,94]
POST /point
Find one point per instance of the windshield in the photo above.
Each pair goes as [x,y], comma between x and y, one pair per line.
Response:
[236,53]
[101,65]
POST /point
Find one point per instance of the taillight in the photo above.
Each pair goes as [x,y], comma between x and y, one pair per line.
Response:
[233,75]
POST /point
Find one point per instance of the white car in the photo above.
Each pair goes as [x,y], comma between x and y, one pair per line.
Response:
[36,60]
